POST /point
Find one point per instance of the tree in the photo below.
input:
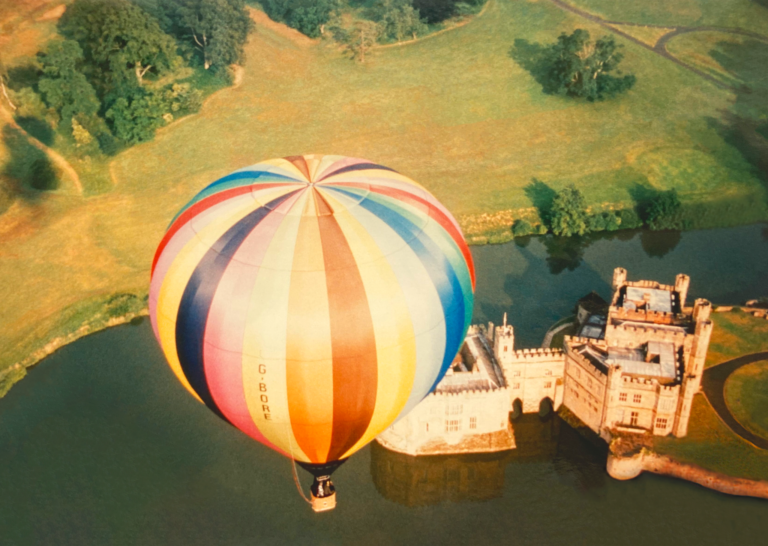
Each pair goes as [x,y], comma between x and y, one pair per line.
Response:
[399,19]
[663,211]
[135,117]
[435,11]
[359,38]
[306,16]
[580,67]
[569,213]
[118,37]
[63,84]
[218,29]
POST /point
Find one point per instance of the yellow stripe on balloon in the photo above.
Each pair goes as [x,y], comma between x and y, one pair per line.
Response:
[264,342]
[395,338]
[177,277]
[309,357]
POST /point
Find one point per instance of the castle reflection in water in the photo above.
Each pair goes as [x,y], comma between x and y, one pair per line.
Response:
[435,479]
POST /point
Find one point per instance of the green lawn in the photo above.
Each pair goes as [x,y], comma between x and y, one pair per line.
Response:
[711,445]
[746,14]
[734,334]
[746,393]
[453,111]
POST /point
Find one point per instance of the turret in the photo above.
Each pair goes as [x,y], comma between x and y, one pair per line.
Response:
[504,343]
[682,282]
[619,277]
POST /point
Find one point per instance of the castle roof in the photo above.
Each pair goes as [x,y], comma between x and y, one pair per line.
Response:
[474,368]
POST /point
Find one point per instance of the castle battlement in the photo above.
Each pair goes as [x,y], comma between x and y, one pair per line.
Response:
[657,317]
[464,392]
[529,356]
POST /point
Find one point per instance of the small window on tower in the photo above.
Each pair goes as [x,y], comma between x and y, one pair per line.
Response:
[661,423]
[637,398]
[548,385]
[622,397]
[473,422]
[506,348]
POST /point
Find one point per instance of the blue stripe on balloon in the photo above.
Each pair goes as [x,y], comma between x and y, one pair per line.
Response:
[234,180]
[437,266]
[198,295]
[358,167]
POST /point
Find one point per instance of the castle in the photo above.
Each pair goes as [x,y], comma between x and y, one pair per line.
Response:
[633,368]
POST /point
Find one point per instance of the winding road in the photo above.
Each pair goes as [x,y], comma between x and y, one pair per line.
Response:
[660,47]
[713,385]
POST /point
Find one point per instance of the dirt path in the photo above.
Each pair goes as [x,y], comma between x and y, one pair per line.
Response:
[660,47]
[713,385]
[56,158]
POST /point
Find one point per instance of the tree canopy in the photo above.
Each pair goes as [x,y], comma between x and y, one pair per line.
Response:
[399,19]
[119,39]
[663,211]
[63,84]
[580,67]
[569,213]
[306,16]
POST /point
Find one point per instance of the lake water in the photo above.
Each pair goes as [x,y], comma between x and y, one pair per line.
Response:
[101,445]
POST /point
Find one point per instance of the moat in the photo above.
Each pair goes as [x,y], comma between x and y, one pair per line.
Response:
[101,446]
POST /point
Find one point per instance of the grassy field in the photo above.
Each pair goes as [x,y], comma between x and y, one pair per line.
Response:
[746,393]
[710,443]
[745,14]
[453,111]
[734,334]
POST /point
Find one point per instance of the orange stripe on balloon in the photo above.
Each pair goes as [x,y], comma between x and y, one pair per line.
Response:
[309,364]
[355,371]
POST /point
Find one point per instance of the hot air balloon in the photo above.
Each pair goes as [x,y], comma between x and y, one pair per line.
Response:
[310,302]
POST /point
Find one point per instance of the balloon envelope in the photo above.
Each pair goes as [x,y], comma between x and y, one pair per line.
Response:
[310,301]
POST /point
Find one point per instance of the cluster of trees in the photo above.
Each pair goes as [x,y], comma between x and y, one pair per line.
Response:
[568,215]
[576,66]
[101,83]
[384,20]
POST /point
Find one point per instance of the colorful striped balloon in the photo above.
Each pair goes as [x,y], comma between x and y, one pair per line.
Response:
[311,301]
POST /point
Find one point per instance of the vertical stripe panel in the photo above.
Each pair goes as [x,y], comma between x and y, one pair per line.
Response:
[265,339]
[309,358]
[196,301]
[352,338]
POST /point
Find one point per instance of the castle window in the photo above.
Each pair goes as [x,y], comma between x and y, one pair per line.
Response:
[547,372]
[427,427]
[589,383]
[661,423]
[548,385]
[516,373]
[622,397]
[578,372]
[473,422]
[454,409]
[452,426]
[633,418]
[516,386]
[637,398]
[506,348]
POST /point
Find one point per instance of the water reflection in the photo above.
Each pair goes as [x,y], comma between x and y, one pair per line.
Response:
[430,480]
[658,244]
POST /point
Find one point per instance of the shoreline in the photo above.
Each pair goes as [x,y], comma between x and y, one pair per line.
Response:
[627,468]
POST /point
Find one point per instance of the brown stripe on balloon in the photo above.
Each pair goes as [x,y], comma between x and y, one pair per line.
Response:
[353,342]
[300,163]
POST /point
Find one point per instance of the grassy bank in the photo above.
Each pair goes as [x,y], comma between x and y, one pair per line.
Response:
[746,394]
[455,112]
[710,443]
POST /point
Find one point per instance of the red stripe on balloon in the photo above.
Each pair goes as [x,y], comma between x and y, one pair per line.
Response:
[434,212]
[353,342]
[199,207]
